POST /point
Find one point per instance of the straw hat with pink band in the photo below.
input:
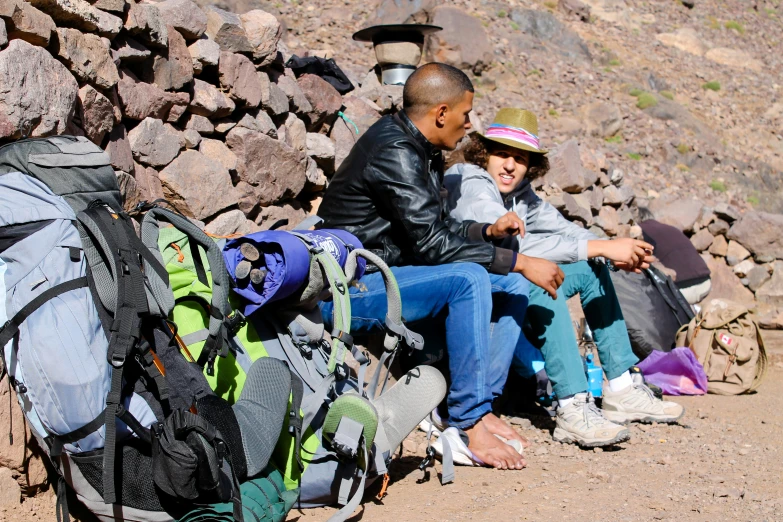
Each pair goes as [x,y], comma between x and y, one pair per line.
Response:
[515,128]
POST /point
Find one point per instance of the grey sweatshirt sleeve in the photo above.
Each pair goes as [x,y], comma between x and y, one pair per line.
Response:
[551,236]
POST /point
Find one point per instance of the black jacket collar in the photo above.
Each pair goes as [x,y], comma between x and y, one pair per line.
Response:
[414,131]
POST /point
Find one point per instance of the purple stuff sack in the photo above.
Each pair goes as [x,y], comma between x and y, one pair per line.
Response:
[677,372]
[287,261]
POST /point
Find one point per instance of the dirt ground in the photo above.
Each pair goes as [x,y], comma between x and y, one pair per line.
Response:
[724,462]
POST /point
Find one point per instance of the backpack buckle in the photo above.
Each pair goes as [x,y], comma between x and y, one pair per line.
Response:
[235,321]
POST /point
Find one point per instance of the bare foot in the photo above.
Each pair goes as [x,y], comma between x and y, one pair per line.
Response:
[491,450]
[498,426]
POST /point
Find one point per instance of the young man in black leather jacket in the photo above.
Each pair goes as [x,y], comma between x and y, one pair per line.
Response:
[388,193]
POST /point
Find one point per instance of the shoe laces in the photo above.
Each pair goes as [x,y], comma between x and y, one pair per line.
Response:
[590,412]
[646,391]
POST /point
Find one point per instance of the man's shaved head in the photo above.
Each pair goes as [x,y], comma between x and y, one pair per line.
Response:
[431,85]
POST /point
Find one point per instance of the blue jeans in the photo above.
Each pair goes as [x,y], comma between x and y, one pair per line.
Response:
[549,328]
[481,314]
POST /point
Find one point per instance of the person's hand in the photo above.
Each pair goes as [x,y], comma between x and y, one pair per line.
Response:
[509,224]
[541,273]
[631,255]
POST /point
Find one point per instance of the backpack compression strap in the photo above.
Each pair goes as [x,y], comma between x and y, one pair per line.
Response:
[220,309]
[322,263]
[395,329]
[115,256]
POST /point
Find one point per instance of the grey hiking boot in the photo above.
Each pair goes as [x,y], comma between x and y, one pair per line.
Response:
[581,422]
[637,403]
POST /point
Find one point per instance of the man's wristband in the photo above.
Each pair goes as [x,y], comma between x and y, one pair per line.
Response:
[484,233]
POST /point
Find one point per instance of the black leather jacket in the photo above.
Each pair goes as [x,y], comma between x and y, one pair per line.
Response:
[387,193]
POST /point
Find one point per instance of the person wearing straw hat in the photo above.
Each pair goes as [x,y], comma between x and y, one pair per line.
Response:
[495,179]
[451,276]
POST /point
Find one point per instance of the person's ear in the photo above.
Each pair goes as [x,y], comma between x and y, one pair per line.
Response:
[440,114]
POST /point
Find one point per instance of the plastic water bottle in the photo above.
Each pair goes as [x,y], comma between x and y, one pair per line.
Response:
[595,376]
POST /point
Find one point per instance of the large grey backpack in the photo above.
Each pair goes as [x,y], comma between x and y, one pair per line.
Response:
[86,345]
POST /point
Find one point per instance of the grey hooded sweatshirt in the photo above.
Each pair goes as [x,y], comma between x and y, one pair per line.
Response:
[474,195]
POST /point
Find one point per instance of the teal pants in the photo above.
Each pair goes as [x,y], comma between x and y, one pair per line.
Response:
[549,328]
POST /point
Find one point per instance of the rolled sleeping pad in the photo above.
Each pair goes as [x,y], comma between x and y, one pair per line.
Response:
[286,259]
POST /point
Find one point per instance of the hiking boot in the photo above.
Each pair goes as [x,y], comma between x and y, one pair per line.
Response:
[637,403]
[582,422]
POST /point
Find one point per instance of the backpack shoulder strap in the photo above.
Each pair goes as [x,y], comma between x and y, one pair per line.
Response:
[220,309]
[763,362]
[396,330]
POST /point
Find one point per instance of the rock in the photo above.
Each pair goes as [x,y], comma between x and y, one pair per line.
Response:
[742,269]
[113,6]
[771,321]
[261,122]
[277,103]
[463,42]
[771,292]
[81,15]
[734,58]
[702,240]
[759,232]
[238,75]
[690,4]
[719,246]
[199,124]
[321,149]
[147,182]
[155,143]
[3,34]
[218,151]
[204,53]
[298,101]
[290,210]
[607,220]
[192,138]
[96,114]
[34,88]
[263,32]
[269,170]
[684,39]
[173,68]
[636,232]
[602,119]
[727,212]
[184,16]
[209,101]
[225,28]
[127,49]
[718,227]
[141,100]
[565,168]
[176,113]
[618,196]
[624,215]
[146,21]
[725,285]
[294,133]
[679,213]
[119,149]
[129,191]
[324,99]
[87,58]
[757,276]
[316,179]
[197,186]
[574,211]
[736,253]
[596,197]
[231,223]
[25,22]
[363,114]
[224,125]
[403,11]
[12,456]
[541,29]
[575,8]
